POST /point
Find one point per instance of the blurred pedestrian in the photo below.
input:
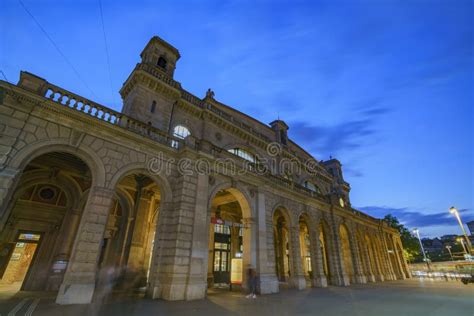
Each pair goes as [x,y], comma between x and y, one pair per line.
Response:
[252,282]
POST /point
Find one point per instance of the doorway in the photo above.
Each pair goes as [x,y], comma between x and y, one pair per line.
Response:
[21,256]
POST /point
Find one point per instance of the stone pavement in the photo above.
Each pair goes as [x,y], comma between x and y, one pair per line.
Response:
[411,297]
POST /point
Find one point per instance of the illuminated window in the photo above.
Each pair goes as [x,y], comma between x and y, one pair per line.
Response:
[243,154]
[222,229]
[310,186]
[180,132]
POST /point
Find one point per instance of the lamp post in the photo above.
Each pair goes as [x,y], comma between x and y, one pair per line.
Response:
[417,232]
[450,253]
[460,239]
[455,212]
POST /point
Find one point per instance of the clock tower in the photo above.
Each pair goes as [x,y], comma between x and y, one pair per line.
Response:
[149,93]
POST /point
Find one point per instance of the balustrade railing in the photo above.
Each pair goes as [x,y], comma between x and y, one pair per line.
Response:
[103,113]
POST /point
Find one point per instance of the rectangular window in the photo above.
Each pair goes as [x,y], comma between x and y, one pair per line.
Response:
[217,260]
[224,261]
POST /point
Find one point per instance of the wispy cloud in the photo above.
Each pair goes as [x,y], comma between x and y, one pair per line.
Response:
[416,218]
[345,136]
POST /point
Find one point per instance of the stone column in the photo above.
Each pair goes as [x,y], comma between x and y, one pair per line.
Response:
[79,281]
[267,278]
[319,278]
[197,272]
[280,253]
[181,243]
[398,260]
[399,251]
[210,256]
[249,246]
[338,277]
[359,275]
[132,218]
[365,259]
[391,273]
[386,265]
[297,278]
[69,232]
[379,276]
[136,267]
[7,187]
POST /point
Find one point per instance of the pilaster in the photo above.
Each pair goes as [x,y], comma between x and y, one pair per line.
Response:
[79,280]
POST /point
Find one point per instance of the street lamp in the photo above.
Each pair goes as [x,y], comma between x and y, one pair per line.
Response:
[450,253]
[454,211]
[460,239]
[417,232]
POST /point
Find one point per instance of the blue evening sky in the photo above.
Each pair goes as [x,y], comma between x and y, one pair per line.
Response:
[384,86]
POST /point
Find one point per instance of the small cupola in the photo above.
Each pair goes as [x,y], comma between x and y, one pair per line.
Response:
[281,131]
[161,55]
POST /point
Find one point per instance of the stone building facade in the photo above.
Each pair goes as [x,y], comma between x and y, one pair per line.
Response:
[171,194]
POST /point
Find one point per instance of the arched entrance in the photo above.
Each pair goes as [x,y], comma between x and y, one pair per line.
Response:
[282,245]
[346,252]
[43,218]
[230,235]
[128,240]
[305,249]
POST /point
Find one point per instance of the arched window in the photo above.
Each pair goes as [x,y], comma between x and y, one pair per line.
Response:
[180,132]
[162,62]
[153,107]
[311,186]
[243,154]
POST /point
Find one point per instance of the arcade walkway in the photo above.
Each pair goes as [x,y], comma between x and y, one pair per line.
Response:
[412,297]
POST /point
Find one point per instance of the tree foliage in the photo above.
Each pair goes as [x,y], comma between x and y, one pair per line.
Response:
[410,243]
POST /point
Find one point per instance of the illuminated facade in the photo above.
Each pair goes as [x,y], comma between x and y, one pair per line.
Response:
[171,194]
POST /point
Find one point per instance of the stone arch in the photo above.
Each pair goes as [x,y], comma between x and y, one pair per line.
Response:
[53,219]
[34,150]
[141,244]
[159,178]
[85,153]
[282,237]
[231,232]
[67,185]
[239,191]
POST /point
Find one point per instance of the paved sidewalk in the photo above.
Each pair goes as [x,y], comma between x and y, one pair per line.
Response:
[412,297]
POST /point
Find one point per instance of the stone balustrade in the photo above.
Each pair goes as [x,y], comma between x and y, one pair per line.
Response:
[105,114]
[71,100]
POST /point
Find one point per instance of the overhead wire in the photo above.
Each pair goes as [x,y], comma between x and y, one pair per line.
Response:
[106,51]
[43,30]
